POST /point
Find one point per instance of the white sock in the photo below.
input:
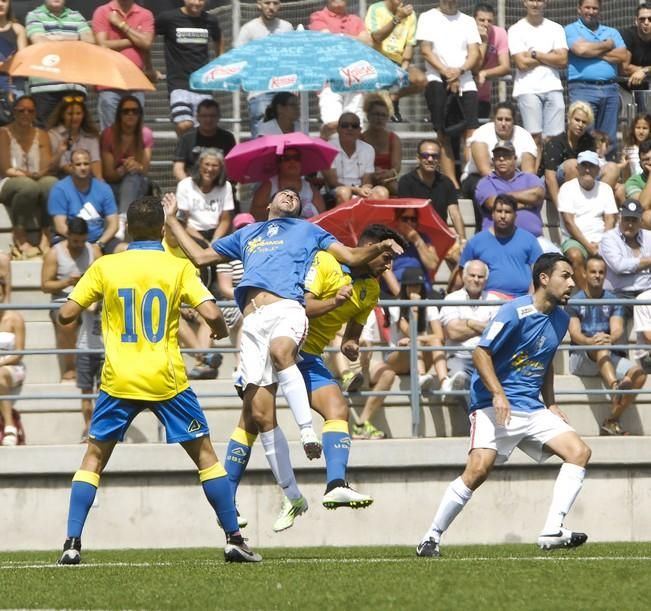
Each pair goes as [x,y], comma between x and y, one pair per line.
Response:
[276,449]
[293,386]
[567,487]
[457,494]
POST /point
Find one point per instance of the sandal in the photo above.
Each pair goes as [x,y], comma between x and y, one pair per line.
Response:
[34,252]
[15,253]
[10,436]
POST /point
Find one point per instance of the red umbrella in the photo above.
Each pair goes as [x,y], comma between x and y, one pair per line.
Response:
[347,221]
[256,160]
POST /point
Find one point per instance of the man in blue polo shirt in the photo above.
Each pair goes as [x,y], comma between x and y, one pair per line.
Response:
[595,52]
[82,195]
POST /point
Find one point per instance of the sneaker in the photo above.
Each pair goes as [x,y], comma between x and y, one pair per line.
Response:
[202,372]
[311,444]
[428,549]
[612,427]
[236,550]
[562,539]
[459,381]
[367,431]
[71,551]
[10,436]
[214,360]
[352,382]
[289,511]
[345,496]
[426,383]
[396,117]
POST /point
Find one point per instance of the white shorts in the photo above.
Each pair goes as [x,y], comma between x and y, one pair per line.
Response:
[16,374]
[184,103]
[529,431]
[285,318]
[332,105]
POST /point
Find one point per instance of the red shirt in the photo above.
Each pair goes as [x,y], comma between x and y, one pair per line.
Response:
[352,25]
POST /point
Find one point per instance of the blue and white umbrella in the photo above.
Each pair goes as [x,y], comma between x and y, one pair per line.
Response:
[300,61]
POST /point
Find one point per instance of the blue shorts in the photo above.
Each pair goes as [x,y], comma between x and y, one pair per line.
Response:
[181,416]
[314,371]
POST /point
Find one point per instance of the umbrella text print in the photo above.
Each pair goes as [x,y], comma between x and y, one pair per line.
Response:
[223,72]
[358,72]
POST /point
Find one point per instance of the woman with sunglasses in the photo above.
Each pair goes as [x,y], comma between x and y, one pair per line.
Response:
[25,163]
[281,116]
[126,154]
[388,150]
[71,127]
[289,177]
[12,39]
[205,199]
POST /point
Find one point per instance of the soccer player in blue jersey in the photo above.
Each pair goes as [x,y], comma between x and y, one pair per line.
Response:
[335,296]
[143,289]
[276,255]
[514,368]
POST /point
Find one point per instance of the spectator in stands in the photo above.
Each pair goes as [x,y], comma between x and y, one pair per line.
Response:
[427,182]
[588,209]
[626,249]
[126,148]
[205,199]
[128,28]
[637,65]
[539,51]
[48,22]
[12,369]
[638,187]
[25,164]
[463,325]
[5,276]
[483,141]
[335,18]
[84,196]
[207,135]
[595,51]
[602,325]
[494,51]
[509,252]
[526,188]
[387,146]
[281,116]
[71,127]
[642,328]
[12,39]
[352,170]
[267,23]
[63,265]
[449,43]
[638,132]
[229,276]
[392,28]
[187,33]
[288,177]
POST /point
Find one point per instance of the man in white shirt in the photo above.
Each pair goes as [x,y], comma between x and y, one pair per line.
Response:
[449,42]
[539,51]
[587,207]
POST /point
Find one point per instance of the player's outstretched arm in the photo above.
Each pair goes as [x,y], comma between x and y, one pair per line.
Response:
[354,257]
[199,256]
[315,307]
[69,312]
[214,317]
[350,341]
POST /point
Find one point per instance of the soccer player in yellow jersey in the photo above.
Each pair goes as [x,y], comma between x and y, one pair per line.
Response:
[143,289]
[334,295]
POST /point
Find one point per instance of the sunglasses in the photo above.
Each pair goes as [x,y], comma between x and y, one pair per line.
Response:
[643,19]
[290,157]
[25,111]
[130,111]
[69,99]
[433,156]
[409,219]
[347,125]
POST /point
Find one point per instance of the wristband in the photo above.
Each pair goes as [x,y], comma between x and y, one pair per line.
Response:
[395,21]
[534,55]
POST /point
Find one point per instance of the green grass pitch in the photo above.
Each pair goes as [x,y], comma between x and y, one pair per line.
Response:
[597,576]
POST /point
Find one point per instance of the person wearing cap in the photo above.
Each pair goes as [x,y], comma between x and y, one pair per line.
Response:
[638,187]
[600,326]
[482,142]
[587,207]
[525,187]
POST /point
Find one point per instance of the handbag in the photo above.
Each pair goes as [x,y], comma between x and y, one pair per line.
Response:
[454,116]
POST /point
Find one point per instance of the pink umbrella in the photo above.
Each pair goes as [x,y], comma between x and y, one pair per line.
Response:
[257,160]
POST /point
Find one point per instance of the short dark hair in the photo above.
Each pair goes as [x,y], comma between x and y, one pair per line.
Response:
[435,141]
[145,218]
[77,226]
[483,7]
[594,257]
[582,1]
[644,147]
[377,232]
[646,6]
[509,200]
[208,103]
[506,106]
[545,264]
